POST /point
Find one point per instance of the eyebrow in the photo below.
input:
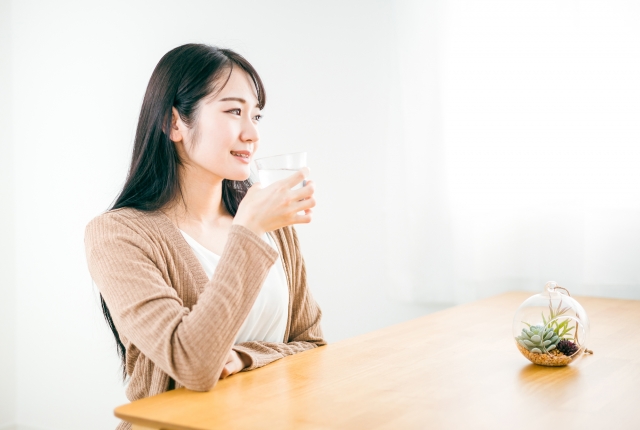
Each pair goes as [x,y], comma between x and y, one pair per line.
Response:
[236,99]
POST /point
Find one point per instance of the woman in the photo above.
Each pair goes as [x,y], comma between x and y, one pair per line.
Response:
[201,276]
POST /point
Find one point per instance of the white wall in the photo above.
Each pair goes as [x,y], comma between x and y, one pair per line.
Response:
[519,121]
[540,121]
[7,225]
[80,73]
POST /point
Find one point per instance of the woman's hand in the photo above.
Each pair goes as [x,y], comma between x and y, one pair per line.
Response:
[234,364]
[276,206]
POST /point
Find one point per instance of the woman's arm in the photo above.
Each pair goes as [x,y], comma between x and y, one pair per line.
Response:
[304,331]
[191,346]
[258,354]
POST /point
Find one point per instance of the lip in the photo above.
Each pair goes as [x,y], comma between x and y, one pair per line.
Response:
[247,156]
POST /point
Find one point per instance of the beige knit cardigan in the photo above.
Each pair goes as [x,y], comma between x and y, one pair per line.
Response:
[177,325]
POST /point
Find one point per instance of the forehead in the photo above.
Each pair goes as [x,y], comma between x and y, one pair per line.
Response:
[239,85]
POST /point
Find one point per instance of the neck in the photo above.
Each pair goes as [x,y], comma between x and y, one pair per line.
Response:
[200,202]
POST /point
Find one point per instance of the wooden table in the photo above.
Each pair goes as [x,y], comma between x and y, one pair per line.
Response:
[458,368]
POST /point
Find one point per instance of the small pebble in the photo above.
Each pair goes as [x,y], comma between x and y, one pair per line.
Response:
[552,358]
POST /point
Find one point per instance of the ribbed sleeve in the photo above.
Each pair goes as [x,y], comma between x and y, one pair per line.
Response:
[304,331]
[127,261]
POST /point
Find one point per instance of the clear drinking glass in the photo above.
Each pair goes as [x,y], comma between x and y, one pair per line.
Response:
[272,169]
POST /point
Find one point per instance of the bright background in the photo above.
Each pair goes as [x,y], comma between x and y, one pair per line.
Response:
[460,149]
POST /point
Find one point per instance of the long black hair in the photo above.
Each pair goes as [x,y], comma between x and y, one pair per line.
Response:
[182,78]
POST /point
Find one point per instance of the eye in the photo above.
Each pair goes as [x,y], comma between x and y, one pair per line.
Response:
[235,111]
[257,118]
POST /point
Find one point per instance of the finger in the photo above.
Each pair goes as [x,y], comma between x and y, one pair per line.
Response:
[303,211]
[225,372]
[304,192]
[303,219]
[308,212]
[296,178]
[309,185]
[303,205]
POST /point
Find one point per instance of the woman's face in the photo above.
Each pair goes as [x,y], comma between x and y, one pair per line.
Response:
[222,141]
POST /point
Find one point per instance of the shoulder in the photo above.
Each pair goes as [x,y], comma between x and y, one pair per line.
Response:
[123,222]
[125,217]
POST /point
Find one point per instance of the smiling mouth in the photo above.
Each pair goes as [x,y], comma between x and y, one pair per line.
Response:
[241,154]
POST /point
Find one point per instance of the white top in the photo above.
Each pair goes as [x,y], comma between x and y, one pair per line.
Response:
[267,320]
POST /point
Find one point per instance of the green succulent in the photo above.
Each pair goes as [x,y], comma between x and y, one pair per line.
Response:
[561,329]
[538,339]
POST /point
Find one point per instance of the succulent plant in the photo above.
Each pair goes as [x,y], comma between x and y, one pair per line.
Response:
[561,329]
[538,339]
[567,347]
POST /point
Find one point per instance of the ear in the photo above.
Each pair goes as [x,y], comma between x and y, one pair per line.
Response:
[177,126]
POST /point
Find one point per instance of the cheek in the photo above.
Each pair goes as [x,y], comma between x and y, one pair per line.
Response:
[218,130]
[208,152]
[211,141]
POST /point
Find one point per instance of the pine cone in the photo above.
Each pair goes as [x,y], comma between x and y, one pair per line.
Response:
[567,347]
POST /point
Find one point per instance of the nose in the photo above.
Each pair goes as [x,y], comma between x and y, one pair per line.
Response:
[249,133]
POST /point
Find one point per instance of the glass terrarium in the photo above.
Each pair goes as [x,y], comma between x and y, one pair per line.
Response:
[551,328]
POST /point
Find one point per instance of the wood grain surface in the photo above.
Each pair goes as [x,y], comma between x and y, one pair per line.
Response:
[455,369]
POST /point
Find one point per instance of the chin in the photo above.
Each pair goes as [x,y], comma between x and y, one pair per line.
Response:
[238,176]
